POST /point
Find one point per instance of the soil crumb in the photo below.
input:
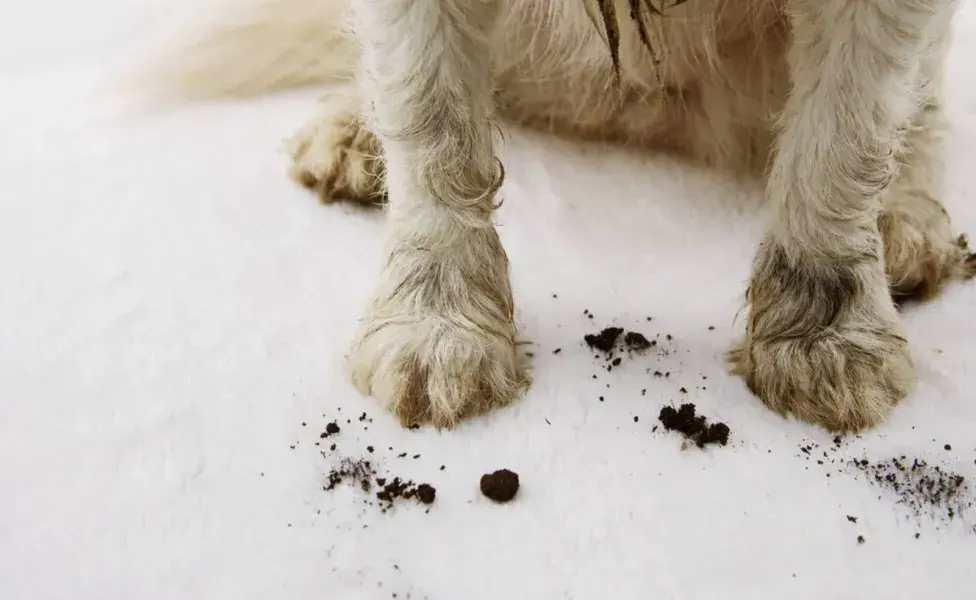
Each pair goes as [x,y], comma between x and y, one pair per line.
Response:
[636,341]
[330,430]
[500,486]
[694,427]
[605,340]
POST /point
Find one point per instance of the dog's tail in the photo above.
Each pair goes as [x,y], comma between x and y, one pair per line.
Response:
[271,46]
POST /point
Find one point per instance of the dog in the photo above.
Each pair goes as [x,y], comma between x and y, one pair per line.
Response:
[837,104]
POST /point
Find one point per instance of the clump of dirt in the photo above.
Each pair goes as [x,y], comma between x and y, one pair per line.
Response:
[398,489]
[636,341]
[921,487]
[605,340]
[694,427]
[612,337]
[500,486]
[359,472]
[330,430]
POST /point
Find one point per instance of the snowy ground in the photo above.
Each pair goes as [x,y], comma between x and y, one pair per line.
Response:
[173,311]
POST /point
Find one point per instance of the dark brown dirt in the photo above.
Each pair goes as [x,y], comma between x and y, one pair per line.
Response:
[406,490]
[330,430]
[636,341]
[929,492]
[695,428]
[605,340]
[921,487]
[500,486]
[359,472]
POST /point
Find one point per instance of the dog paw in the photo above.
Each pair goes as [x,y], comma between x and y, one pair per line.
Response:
[429,370]
[844,381]
[339,159]
[823,342]
[921,253]
[438,343]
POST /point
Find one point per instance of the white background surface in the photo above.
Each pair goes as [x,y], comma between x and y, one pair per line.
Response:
[172,309]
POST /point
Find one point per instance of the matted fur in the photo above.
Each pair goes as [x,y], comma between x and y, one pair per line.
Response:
[838,103]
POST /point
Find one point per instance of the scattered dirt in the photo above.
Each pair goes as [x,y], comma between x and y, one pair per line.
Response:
[923,488]
[362,474]
[928,491]
[359,472]
[383,489]
[695,428]
[406,490]
[500,486]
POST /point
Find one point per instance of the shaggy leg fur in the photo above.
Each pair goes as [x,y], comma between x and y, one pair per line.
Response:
[438,340]
[336,156]
[823,340]
[921,252]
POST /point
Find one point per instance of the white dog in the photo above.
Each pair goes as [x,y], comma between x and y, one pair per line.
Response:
[838,103]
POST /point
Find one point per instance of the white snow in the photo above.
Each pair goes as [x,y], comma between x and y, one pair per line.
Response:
[173,308]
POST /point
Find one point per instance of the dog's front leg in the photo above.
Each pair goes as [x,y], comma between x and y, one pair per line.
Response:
[438,340]
[824,342]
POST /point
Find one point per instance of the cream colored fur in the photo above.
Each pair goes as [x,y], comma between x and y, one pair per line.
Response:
[837,102]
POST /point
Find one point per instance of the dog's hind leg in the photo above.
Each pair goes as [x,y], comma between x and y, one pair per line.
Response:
[922,253]
[337,156]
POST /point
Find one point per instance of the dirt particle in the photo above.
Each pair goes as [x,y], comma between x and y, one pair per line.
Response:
[500,486]
[636,341]
[948,447]
[694,427]
[330,430]
[605,340]
[852,519]
[860,539]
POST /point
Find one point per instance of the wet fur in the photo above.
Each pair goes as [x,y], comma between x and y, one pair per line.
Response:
[837,103]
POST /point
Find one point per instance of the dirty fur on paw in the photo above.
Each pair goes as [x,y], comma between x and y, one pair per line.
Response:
[433,372]
[336,157]
[817,349]
[921,254]
[439,342]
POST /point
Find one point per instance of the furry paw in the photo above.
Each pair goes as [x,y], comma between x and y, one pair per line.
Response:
[427,370]
[921,254]
[439,341]
[338,158]
[845,381]
[823,343]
